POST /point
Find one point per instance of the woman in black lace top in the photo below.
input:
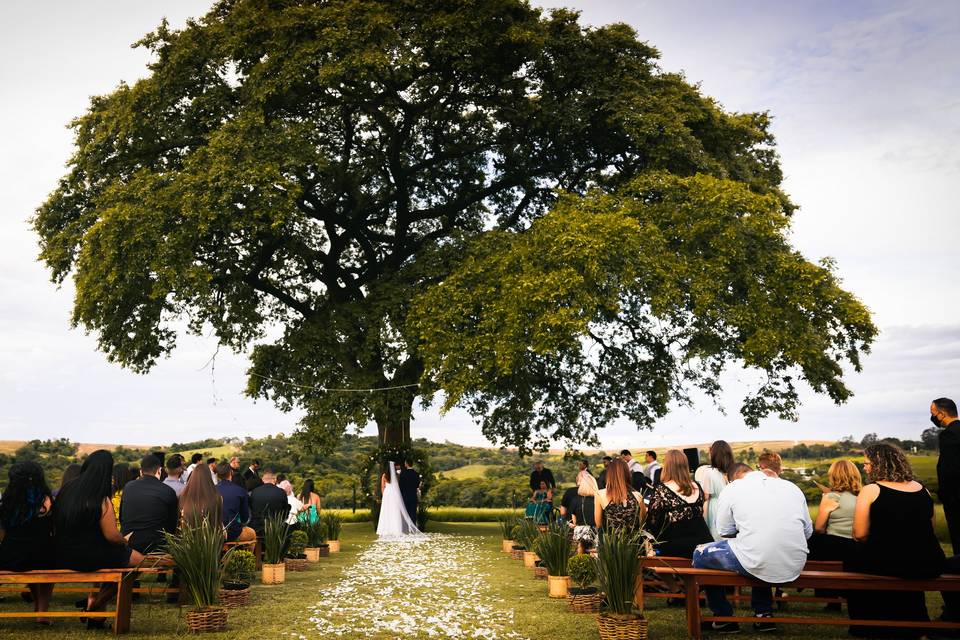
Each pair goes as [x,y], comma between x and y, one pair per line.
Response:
[675,515]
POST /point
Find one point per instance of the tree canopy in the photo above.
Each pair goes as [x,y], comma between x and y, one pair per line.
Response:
[428,196]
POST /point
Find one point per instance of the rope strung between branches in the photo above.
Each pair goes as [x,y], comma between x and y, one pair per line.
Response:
[301,386]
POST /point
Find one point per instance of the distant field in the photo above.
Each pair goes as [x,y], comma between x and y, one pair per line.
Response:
[467,472]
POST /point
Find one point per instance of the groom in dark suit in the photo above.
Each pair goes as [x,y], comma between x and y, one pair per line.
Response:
[409,481]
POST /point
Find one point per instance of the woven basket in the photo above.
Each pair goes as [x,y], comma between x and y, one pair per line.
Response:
[296,564]
[517,554]
[558,586]
[205,620]
[530,559]
[231,598]
[312,553]
[324,550]
[585,602]
[507,546]
[273,574]
[617,628]
[540,573]
[334,546]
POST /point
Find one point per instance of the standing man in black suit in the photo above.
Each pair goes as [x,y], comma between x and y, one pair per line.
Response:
[251,479]
[541,474]
[943,413]
[409,482]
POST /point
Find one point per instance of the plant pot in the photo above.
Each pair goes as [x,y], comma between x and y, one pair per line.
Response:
[296,564]
[622,627]
[540,573]
[584,600]
[207,619]
[334,546]
[234,594]
[517,553]
[558,586]
[507,546]
[273,574]
[530,559]
[312,553]
[324,550]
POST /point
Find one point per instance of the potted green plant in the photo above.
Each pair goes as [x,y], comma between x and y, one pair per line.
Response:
[196,551]
[618,565]
[583,598]
[555,546]
[274,541]
[237,575]
[295,559]
[526,536]
[317,546]
[334,525]
[507,524]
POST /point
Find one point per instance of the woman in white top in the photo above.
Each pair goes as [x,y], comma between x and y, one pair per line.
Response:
[295,505]
[713,480]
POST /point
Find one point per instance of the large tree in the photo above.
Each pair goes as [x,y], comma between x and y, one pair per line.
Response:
[417,196]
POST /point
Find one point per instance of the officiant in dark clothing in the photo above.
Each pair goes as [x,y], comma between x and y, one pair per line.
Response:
[409,482]
[541,474]
[148,507]
[943,413]
[266,501]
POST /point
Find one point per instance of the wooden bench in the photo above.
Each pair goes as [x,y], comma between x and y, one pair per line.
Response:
[695,579]
[644,586]
[123,579]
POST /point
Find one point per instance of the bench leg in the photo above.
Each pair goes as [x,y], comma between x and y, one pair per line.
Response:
[692,588]
[124,598]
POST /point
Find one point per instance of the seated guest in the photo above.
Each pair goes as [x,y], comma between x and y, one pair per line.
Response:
[25,528]
[770,520]
[713,480]
[540,505]
[675,515]
[149,508]
[737,471]
[236,506]
[296,507]
[310,498]
[266,501]
[121,476]
[86,537]
[893,530]
[618,506]
[833,529]
[196,460]
[583,507]
[602,478]
[174,478]
[71,472]
[200,500]
[569,502]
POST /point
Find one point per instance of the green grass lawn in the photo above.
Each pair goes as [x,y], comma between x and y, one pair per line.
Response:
[282,611]
[467,472]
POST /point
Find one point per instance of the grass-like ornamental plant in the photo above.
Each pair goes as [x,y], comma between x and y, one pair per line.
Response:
[274,538]
[554,547]
[240,567]
[507,524]
[196,551]
[297,544]
[582,570]
[617,562]
[527,534]
[334,524]
[316,532]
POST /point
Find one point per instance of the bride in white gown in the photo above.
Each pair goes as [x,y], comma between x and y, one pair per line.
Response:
[395,522]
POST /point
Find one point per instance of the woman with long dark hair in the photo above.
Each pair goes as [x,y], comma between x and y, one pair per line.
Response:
[713,480]
[70,473]
[311,498]
[200,499]
[86,537]
[26,526]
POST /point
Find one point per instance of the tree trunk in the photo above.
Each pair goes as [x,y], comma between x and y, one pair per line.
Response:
[393,418]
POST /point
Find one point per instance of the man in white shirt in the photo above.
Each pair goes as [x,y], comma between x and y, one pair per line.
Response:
[195,460]
[652,467]
[770,520]
[633,465]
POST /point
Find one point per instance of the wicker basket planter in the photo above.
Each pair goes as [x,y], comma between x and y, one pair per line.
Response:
[540,573]
[334,546]
[507,546]
[312,553]
[616,627]
[231,598]
[273,573]
[530,559]
[558,586]
[207,619]
[584,600]
[296,564]
[517,553]
[324,550]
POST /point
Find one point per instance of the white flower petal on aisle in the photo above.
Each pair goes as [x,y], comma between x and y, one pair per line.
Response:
[427,587]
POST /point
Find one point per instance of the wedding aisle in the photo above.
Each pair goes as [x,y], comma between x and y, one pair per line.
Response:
[428,588]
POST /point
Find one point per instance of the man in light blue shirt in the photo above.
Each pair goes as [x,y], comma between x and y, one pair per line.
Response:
[771,524]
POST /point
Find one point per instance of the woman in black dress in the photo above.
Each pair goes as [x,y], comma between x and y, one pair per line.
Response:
[26,525]
[86,537]
[894,533]
[675,515]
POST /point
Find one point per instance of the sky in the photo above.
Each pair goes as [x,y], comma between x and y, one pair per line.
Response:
[866,104]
